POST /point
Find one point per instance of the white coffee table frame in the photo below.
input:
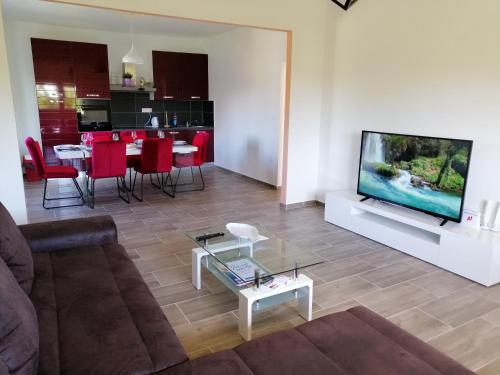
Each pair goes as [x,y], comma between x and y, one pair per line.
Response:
[300,284]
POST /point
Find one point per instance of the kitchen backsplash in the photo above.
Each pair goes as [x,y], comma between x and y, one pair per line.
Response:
[126,111]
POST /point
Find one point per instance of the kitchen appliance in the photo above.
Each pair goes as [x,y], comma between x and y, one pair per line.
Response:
[154,122]
[93,115]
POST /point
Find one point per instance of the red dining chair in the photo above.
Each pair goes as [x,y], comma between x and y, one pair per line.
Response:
[132,160]
[45,172]
[197,159]
[127,135]
[108,160]
[102,136]
[156,158]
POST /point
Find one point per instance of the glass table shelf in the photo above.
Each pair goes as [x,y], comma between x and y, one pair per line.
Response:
[262,273]
[246,263]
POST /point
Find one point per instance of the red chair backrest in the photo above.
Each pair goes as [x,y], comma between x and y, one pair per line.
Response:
[200,140]
[36,156]
[126,135]
[109,159]
[156,156]
[102,136]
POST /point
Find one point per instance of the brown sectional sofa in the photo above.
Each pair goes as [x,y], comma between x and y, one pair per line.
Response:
[72,302]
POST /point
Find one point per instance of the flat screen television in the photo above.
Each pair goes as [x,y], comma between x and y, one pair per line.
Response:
[426,174]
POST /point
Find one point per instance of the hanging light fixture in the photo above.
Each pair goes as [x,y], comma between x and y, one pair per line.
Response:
[132,57]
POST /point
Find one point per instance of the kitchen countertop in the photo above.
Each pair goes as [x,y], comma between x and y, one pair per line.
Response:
[193,128]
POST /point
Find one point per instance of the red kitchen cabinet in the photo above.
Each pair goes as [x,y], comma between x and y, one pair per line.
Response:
[65,71]
[52,62]
[180,76]
[58,128]
[90,61]
[195,75]
[167,68]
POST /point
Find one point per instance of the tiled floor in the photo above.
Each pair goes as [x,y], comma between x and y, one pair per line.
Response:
[453,314]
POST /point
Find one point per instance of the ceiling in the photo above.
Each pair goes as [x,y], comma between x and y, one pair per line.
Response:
[92,18]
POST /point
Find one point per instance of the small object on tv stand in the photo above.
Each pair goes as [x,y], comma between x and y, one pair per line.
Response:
[364,199]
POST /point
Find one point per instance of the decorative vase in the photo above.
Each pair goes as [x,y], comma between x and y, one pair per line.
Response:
[127,82]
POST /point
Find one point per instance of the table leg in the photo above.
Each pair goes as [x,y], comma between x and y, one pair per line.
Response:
[305,297]
[245,317]
[196,258]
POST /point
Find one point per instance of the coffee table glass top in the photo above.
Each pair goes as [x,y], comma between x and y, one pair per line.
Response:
[244,263]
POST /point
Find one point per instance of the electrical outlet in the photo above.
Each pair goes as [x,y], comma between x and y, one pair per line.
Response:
[147,110]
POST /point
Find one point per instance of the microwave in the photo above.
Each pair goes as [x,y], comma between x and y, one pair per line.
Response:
[93,115]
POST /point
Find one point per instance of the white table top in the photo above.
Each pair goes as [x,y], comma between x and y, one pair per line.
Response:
[132,149]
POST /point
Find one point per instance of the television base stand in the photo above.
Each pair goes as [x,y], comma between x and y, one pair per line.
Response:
[466,251]
[364,199]
[443,223]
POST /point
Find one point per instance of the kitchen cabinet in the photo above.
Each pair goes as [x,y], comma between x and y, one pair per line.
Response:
[167,68]
[58,128]
[195,76]
[180,76]
[65,71]
[52,62]
[90,62]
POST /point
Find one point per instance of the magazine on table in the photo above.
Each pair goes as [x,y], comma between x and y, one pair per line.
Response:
[243,267]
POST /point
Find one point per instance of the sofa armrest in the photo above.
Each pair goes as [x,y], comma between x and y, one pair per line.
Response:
[66,234]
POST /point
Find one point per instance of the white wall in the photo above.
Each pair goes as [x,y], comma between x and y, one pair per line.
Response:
[18,36]
[11,188]
[310,23]
[420,67]
[247,86]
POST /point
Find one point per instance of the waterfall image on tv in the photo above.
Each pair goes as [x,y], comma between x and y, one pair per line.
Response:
[424,173]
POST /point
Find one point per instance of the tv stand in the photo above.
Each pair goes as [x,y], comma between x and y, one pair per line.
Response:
[364,199]
[466,251]
[443,223]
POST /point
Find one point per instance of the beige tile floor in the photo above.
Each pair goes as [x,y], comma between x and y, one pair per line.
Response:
[453,314]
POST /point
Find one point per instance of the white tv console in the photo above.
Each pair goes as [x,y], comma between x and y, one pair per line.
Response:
[468,252]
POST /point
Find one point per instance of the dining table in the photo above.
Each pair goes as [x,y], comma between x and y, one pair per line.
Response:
[72,152]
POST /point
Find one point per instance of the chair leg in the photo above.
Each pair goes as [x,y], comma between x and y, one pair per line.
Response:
[192,174]
[159,186]
[44,193]
[123,189]
[130,179]
[177,179]
[92,194]
[133,188]
[202,180]
[164,185]
[79,196]
[80,192]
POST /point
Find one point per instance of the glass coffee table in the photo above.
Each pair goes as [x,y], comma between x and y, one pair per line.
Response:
[262,274]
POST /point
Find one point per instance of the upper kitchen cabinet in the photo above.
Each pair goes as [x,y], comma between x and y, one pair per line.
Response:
[195,75]
[180,76]
[52,62]
[60,65]
[167,73]
[90,61]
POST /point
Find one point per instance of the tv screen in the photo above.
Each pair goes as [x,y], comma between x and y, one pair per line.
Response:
[423,173]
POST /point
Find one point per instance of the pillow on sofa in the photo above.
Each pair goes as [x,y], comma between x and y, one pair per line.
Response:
[15,251]
[18,327]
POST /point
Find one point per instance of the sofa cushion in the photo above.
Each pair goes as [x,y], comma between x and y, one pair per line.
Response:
[433,357]
[93,301]
[221,363]
[287,352]
[18,327]
[14,250]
